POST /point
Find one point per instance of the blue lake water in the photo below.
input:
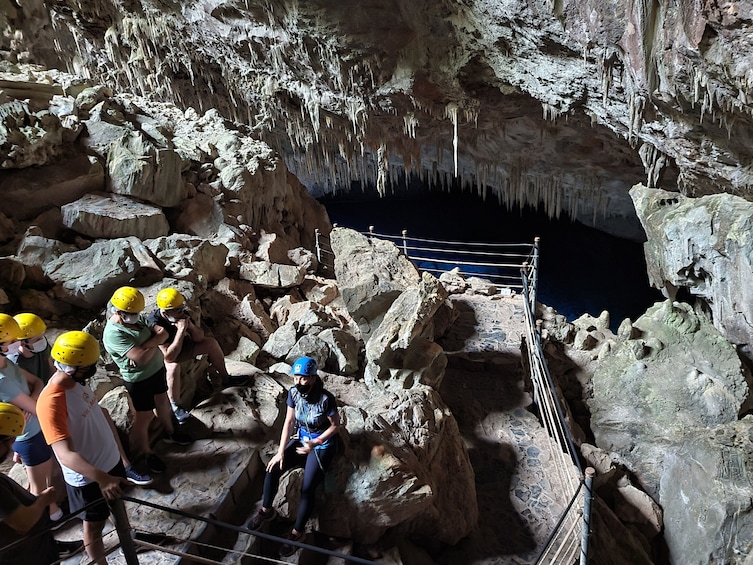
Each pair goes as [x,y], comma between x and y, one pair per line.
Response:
[582,270]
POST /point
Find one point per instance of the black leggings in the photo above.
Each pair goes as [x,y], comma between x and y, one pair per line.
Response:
[313,474]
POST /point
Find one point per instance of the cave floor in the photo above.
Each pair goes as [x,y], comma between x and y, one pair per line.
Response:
[517,489]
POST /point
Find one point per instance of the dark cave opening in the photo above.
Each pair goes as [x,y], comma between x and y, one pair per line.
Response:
[582,270]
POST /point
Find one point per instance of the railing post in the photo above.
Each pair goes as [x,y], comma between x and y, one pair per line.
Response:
[405,243]
[535,273]
[587,499]
[123,527]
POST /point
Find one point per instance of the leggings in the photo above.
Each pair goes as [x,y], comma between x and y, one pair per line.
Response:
[313,474]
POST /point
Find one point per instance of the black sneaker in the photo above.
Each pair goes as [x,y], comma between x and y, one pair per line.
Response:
[142,479]
[155,464]
[259,518]
[68,549]
[288,549]
[178,438]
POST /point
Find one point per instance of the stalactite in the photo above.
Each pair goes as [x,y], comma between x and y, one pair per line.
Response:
[452,113]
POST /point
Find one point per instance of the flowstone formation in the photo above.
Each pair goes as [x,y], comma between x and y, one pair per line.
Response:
[563,105]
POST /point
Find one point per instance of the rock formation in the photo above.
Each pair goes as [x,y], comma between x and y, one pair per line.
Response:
[560,104]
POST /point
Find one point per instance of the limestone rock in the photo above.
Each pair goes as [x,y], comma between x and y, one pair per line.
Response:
[28,138]
[190,258]
[281,341]
[705,246]
[200,216]
[650,413]
[36,251]
[343,351]
[371,273]
[7,230]
[119,262]
[394,354]
[113,216]
[247,351]
[140,169]
[271,275]
[253,315]
[272,248]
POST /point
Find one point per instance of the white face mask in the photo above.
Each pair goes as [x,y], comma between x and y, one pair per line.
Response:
[128,318]
[38,346]
[13,348]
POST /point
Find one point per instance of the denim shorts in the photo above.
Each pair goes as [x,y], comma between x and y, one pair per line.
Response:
[33,451]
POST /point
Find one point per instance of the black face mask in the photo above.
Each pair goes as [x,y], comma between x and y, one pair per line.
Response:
[83,374]
[304,389]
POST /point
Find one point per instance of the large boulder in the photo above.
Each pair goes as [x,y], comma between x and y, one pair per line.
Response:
[271,275]
[139,168]
[665,394]
[191,258]
[112,216]
[118,262]
[371,274]
[705,246]
[397,353]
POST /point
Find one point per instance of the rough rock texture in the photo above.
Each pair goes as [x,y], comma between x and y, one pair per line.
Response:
[665,399]
[608,94]
[704,246]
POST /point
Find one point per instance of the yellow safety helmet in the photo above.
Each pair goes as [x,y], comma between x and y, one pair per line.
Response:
[169,299]
[128,299]
[9,330]
[76,349]
[31,325]
[12,420]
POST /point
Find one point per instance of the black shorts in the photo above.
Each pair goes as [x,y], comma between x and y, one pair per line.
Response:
[78,497]
[143,392]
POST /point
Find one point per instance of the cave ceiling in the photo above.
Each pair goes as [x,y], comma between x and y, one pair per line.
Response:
[559,104]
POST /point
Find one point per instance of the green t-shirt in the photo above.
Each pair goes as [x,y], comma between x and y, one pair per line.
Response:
[119,340]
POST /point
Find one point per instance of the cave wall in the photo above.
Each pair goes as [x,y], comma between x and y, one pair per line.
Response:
[562,104]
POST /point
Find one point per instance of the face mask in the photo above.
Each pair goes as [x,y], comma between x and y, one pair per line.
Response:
[12,348]
[128,318]
[303,389]
[83,374]
[38,346]
[171,319]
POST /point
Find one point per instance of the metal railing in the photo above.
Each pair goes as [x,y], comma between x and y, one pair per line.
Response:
[500,263]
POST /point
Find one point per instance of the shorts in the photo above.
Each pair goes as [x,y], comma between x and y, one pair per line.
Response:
[143,392]
[78,497]
[33,451]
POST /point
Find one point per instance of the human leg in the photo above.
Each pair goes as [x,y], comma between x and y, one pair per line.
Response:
[210,347]
[95,547]
[37,458]
[138,439]
[272,482]
[313,476]
[173,381]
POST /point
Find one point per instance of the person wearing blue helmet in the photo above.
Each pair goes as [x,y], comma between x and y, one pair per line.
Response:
[309,440]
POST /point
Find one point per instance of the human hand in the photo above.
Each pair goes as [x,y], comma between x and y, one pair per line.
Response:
[112,487]
[17,458]
[306,448]
[276,460]
[48,496]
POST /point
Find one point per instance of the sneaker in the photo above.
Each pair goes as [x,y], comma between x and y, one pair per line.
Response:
[178,438]
[259,518]
[288,549]
[180,414]
[55,516]
[155,464]
[235,380]
[137,478]
[67,549]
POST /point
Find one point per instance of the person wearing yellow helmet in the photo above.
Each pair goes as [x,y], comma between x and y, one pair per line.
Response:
[21,388]
[134,344]
[84,438]
[34,351]
[185,341]
[22,514]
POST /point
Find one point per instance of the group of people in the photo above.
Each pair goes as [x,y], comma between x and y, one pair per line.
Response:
[48,387]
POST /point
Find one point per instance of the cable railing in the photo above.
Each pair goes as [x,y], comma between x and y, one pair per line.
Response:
[499,263]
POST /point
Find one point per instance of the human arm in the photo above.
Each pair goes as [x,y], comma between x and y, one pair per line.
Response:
[142,354]
[334,429]
[172,350]
[16,394]
[23,518]
[287,427]
[35,383]
[68,456]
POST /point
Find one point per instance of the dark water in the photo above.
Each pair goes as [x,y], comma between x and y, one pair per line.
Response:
[581,269]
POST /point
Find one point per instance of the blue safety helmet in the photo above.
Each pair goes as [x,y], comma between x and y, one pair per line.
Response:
[305,366]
